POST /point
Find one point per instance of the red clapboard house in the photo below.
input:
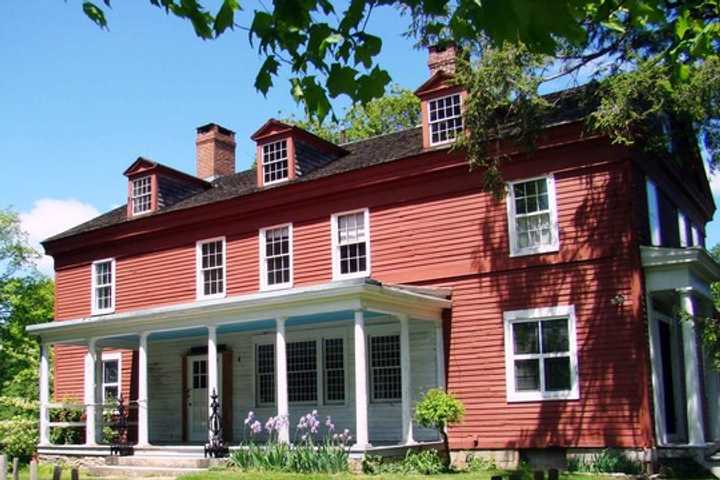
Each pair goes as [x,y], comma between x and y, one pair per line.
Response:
[352,278]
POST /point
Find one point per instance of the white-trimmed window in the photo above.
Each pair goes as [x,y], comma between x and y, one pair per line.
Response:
[211,268]
[445,118]
[302,371]
[334,364]
[541,354]
[532,216]
[276,257]
[653,212]
[265,374]
[683,229]
[385,371]
[696,236]
[141,195]
[103,286]
[275,162]
[351,244]
[111,377]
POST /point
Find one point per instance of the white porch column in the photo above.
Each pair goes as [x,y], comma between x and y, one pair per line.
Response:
[406,392]
[90,393]
[361,394]
[283,410]
[695,420]
[212,363]
[440,354]
[44,394]
[143,429]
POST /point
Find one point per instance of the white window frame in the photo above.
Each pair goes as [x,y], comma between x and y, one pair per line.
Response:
[682,227]
[199,286]
[695,236]
[653,212]
[263,259]
[323,341]
[430,122]
[336,271]
[554,246]
[319,368]
[371,383]
[133,197]
[287,159]
[106,357]
[94,286]
[536,315]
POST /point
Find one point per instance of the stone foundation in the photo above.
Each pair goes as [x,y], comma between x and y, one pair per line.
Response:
[72,460]
[503,459]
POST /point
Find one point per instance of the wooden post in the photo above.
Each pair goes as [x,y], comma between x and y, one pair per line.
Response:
[57,472]
[3,467]
[34,470]
[553,474]
[16,469]
[538,475]
[74,473]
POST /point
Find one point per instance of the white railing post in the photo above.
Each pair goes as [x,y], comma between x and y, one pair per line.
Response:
[90,400]
[362,440]
[143,429]
[212,362]
[283,410]
[695,419]
[406,381]
[44,395]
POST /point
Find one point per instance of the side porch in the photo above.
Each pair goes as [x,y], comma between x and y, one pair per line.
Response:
[357,351]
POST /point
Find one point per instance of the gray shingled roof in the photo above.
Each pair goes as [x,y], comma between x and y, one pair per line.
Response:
[569,106]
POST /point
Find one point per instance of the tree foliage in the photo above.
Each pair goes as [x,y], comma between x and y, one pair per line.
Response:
[331,53]
[15,253]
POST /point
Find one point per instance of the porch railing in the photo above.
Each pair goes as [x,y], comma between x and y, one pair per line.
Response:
[73,416]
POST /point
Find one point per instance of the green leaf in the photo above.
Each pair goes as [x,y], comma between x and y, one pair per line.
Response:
[373,85]
[95,14]
[365,51]
[225,17]
[263,81]
[341,80]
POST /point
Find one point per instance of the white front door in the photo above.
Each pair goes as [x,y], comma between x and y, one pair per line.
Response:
[197,408]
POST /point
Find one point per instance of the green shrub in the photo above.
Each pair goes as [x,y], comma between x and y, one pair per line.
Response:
[480,464]
[302,458]
[425,462]
[66,435]
[437,410]
[607,461]
[18,437]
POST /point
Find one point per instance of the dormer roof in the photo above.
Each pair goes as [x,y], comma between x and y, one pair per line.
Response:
[441,80]
[146,165]
[276,128]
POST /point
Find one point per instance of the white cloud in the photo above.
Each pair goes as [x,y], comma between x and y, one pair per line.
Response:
[50,216]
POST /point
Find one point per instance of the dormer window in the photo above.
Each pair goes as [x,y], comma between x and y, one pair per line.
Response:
[275,162]
[141,195]
[445,118]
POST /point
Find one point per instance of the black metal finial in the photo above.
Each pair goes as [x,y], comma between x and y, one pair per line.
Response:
[119,425]
[216,446]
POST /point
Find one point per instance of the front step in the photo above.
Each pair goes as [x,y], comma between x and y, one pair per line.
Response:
[133,471]
[159,461]
[712,463]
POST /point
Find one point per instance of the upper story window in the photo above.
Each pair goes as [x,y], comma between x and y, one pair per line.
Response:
[532,216]
[211,268]
[111,369]
[141,195]
[386,374]
[445,118]
[541,354]
[275,162]
[276,257]
[653,212]
[103,286]
[351,244]
[683,228]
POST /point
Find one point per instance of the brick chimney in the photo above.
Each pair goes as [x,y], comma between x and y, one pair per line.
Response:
[442,58]
[215,151]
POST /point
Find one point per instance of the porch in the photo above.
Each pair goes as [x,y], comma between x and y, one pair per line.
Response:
[358,351]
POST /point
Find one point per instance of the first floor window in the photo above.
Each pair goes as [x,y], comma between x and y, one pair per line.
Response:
[110,378]
[211,268]
[276,257]
[302,371]
[351,244]
[540,354]
[334,370]
[386,374]
[103,286]
[533,216]
[265,374]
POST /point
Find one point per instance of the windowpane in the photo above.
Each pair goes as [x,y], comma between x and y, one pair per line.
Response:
[212,265]
[103,285]
[275,161]
[110,371]
[277,256]
[302,371]
[386,372]
[525,336]
[445,118]
[557,374]
[334,370]
[110,394]
[527,375]
[352,243]
[265,373]
[533,223]
[555,336]
[141,195]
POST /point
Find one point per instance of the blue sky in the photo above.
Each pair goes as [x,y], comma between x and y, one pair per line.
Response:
[79,104]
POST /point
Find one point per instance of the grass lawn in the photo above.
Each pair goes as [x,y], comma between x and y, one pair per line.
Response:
[238,475]
[44,473]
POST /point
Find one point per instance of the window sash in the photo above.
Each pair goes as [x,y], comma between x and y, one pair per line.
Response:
[385,372]
[265,374]
[276,257]
[535,231]
[351,244]
[653,213]
[275,162]
[141,195]
[103,286]
[445,118]
[108,385]
[302,371]
[541,355]
[334,370]
[211,268]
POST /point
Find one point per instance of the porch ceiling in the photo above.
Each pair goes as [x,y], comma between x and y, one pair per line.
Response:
[320,303]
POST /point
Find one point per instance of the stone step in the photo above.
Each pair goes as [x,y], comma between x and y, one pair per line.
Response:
[159,461]
[126,471]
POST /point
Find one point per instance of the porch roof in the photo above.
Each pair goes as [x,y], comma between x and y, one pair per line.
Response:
[347,295]
[679,268]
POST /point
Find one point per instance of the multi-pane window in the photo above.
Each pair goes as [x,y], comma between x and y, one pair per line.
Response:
[275,162]
[103,286]
[276,256]
[211,268]
[302,371]
[141,195]
[200,374]
[445,119]
[532,222]
[351,250]
[540,354]
[110,379]
[334,370]
[653,206]
[386,374]
[265,374]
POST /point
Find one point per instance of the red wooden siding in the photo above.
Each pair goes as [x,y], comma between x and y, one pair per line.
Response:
[439,228]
